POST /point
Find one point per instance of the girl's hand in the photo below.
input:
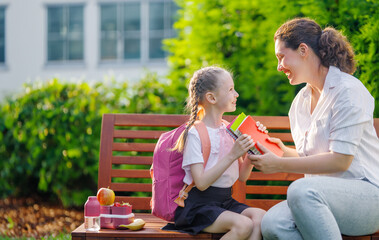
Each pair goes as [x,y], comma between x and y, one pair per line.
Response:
[266,163]
[241,146]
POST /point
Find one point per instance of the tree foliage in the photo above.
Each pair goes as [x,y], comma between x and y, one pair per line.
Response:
[238,35]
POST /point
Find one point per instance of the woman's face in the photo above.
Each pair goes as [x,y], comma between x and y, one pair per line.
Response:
[291,63]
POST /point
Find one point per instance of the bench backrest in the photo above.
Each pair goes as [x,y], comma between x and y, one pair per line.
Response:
[126,148]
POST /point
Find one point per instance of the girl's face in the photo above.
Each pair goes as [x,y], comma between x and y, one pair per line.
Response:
[290,62]
[226,95]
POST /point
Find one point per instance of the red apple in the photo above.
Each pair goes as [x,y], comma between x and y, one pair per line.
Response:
[105,196]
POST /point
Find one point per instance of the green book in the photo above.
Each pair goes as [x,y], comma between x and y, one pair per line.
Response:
[237,122]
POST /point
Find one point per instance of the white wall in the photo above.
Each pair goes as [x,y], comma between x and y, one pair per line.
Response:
[25,43]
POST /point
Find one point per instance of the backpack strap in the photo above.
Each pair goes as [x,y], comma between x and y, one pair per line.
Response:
[204,139]
[206,150]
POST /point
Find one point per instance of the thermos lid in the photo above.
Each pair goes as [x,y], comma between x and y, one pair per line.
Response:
[92,207]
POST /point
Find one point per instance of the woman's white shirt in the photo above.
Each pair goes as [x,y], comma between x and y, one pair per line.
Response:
[342,122]
[221,144]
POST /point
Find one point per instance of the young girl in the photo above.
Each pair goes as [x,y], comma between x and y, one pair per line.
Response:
[209,206]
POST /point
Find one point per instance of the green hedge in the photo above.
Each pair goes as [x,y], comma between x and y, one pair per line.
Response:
[50,134]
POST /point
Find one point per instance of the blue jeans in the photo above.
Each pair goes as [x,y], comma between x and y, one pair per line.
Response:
[323,208]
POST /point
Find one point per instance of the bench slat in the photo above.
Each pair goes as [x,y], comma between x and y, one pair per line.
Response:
[272,190]
[132,160]
[106,140]
[143,203]
[137,147]
[147,147]
[131,187]
[151,134]
[285,137]
[275,176]
[262,203]
[151,231]
[150,120]
[138,134]
[128,173]
[146,187]
[175,120]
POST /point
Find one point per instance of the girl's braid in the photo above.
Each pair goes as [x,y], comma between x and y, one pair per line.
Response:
[193,103]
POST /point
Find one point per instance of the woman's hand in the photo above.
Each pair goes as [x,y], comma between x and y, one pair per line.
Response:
[287,152]
[266,163]
[241,146]
[278,142]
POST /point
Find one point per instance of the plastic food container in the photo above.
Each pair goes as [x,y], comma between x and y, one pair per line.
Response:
[112,216]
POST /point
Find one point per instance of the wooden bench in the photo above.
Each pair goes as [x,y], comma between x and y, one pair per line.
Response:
[127,143]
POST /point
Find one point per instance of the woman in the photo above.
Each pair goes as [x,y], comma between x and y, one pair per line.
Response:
[336,144]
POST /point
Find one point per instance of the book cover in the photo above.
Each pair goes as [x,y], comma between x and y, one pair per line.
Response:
[248,126]
[237,121]
[232,129]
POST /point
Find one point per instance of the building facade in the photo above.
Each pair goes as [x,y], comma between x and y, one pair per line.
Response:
[82,39]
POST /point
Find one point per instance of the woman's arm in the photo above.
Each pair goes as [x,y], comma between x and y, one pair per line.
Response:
[204,179]
[330,162]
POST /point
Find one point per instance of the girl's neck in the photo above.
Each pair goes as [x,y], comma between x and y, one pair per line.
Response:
[212,119]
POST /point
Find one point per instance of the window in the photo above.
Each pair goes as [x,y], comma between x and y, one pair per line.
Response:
[120,31]
[161,19]
[65,33]
[133,31]
[2,35]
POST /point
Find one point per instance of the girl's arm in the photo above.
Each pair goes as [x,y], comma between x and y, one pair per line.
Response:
[204,179]
[330,162]
[245,169]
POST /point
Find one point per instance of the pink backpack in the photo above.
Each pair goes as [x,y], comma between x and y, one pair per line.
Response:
[167,174]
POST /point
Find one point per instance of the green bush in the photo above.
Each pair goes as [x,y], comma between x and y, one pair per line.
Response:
[51,133]
[51,140]
[238,35]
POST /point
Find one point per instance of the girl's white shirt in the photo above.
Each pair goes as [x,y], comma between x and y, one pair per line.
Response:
[221,144]
[342,122]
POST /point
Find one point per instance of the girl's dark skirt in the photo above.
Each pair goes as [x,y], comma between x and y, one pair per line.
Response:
[203,207]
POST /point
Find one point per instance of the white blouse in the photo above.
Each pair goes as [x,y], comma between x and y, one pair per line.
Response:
[342,122]
[221,144]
